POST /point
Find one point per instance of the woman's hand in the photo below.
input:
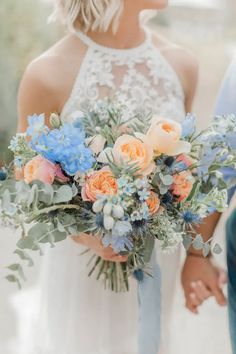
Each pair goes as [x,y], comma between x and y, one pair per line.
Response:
[201,279]
[94,242]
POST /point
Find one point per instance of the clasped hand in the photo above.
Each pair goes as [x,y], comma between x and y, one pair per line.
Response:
[201,279]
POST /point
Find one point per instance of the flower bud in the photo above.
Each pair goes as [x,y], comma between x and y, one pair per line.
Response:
[55,120]
[107,209]
[118,211]
[97,206]
[108,222]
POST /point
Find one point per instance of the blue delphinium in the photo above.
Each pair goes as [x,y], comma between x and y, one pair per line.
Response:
[36,125]
[65,146]
[119,239]
[231,139]
[188,125]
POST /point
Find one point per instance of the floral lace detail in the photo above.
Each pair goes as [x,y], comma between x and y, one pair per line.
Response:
[141,77]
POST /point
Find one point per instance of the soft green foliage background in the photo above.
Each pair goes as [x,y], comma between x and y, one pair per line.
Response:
[24,34]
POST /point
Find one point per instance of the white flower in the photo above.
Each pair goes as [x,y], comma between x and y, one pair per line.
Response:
[118,211]
[107,209]
[98,206]
[108,222]
[96,143]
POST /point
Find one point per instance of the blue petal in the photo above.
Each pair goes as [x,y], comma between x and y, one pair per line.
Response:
[188,125]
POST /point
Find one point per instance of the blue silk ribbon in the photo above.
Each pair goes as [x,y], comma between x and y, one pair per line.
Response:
[149,296]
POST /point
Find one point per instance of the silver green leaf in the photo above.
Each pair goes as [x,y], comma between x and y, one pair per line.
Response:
[63,195]
[198,242]
[217,249]
[187,241]
[206,249]
[24,256]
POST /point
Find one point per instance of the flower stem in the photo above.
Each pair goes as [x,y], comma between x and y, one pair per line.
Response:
[52,208]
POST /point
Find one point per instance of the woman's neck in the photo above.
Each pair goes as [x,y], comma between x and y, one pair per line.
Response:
[129,34]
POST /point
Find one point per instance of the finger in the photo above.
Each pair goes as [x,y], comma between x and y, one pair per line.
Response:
[223,279]
[192,308]
[76,239]
[194,300]
[219,296]
[118,259]
[201,290]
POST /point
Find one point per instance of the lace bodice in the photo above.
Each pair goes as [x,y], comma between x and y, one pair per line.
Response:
[141,77]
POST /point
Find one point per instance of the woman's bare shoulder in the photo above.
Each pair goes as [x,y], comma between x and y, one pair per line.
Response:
[48,79]
[51,69]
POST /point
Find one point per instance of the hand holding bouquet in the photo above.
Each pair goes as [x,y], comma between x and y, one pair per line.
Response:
[128,179]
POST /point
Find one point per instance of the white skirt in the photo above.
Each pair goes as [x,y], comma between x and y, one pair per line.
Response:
[69,313]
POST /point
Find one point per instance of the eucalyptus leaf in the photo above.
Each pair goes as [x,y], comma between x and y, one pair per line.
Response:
[6,200]
[198,242]
[74,190]
[63,195]
[187,241]
[206,249]
[27,243]
[25,257]
[166,179]
[13,279]
[8,184]
[6,204]
[217,249]
[57,236]
[60,227]
[46,193]
[37,234]
[14,267]
[32,196]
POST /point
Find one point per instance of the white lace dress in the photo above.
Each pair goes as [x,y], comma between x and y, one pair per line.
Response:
[73,314]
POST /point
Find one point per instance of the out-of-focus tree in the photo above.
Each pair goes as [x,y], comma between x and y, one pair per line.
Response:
[24,34]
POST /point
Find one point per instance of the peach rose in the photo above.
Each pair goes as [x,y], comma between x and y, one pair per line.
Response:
[39,169]
[99,183]
[129,149]
[164,137]
[153,203]
[182,185]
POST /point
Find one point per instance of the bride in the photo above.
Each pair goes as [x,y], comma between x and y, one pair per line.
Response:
[107,51]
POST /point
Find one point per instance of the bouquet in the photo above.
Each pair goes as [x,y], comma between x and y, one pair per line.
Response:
[128,178]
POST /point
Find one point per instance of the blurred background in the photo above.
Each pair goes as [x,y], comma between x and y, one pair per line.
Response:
[207,27]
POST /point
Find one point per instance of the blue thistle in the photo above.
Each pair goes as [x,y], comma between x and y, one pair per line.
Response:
[169,161]
[191,218]
[138,274]
[3,175]
[167,199]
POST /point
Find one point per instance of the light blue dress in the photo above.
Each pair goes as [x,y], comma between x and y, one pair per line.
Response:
[226,104]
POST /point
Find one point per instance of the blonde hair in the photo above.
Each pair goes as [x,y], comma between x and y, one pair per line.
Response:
[95,15]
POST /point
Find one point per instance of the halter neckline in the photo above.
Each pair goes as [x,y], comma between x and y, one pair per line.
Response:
[88,41]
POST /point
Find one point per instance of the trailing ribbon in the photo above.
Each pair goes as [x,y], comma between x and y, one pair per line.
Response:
[149,296]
